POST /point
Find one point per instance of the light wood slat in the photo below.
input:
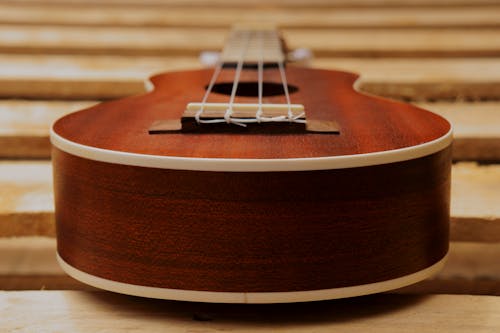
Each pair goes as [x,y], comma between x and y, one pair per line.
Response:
[267,3]
[26,206]
[102,77]
[185,41]
[74,311]
[414,79]
[65,282]
[432,286]
[24,127]
[476,128]
[458,17]
[30,263]
[82,77]
[475,202]
[24,256]
[26,199]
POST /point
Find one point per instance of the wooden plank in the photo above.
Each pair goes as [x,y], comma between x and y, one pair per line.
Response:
[472,268]
[476,128]
[101,311]
[26,206]
[423,79]
[457,17]
[475,202]
[28,256]
[103,77]
[24,127]
[81,77]
[432,286]
[190,41]
[455,286]
[30,263]
[265,3]
[65,282]
[26,200]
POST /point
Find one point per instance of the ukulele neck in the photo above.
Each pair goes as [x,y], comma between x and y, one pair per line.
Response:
[253,45]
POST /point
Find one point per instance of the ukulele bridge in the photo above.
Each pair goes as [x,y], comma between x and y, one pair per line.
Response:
[261,117]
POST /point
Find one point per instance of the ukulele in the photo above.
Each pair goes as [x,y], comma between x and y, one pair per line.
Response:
[256,181]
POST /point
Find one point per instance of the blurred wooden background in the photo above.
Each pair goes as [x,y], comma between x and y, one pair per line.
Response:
[57,56]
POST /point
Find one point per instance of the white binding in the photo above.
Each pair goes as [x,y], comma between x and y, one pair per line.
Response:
[252,297]
[254,165]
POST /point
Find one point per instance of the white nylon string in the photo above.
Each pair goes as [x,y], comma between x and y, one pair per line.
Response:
[237,75]
[290,116]
[215,75]
[260,68]
[229,111]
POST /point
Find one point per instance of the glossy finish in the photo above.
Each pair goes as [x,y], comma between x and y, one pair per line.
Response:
[367,124]
[253,230]
[229,231]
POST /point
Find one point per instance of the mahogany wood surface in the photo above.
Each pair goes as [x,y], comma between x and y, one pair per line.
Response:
[252,231]
[367,123]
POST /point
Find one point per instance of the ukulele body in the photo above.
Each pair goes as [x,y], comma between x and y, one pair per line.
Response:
[247,216]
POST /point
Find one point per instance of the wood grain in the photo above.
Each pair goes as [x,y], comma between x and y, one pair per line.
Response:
[367,124]
[474,209]
[45,39]
[104,77]
[260,3]
[264,231]
[475,127]
[81,77]
[490,185]
[26,199]
[423,79]
[99,311]
[25,125]
[29,263]
[282,15]
[475,191]
[26,207]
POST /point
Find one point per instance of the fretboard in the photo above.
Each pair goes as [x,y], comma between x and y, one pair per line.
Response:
[253,45]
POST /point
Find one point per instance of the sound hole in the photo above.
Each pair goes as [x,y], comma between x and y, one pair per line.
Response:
[251,89]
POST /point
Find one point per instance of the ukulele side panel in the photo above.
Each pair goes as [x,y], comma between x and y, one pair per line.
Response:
[252,231]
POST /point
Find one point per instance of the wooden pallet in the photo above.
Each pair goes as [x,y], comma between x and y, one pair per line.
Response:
[57,56]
